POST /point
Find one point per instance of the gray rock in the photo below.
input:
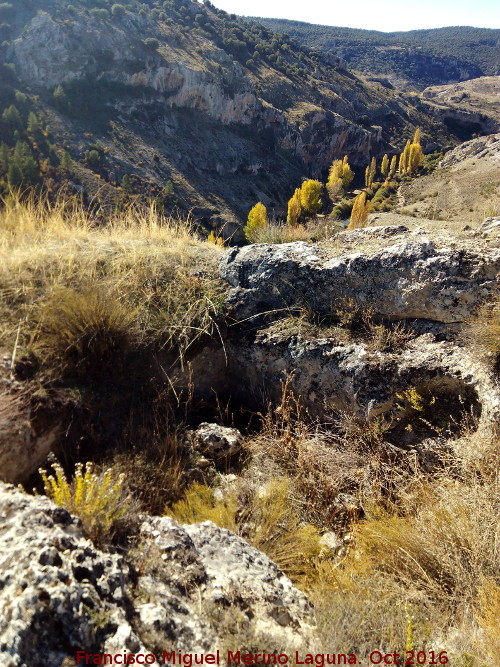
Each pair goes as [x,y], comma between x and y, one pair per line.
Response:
[411,279]
[331,377]
[60,594]
[217,443]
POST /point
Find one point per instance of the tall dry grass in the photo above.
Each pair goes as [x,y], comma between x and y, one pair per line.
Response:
[152,266]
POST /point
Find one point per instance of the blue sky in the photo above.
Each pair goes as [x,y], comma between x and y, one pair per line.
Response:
[387,15]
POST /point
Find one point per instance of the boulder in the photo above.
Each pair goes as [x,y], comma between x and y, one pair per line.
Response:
[218,443]
[183,587]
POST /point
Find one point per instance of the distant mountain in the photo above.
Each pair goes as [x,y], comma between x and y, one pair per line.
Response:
[184,104]
[417,58]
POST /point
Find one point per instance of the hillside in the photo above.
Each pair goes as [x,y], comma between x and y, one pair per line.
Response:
[413,59]
[465,187]
[480,96]
[182,104]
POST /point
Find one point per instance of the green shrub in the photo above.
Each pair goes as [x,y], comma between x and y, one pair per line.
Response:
[100,14]
[118,10]
[151,43]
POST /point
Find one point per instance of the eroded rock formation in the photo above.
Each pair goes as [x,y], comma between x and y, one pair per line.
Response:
[59,594]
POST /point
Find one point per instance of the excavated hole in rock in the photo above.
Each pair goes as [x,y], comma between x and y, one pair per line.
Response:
[444,407]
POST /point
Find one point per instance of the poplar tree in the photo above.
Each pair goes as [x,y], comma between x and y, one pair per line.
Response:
[393,167]
[370,172]
[294,209]
[339,177]
[257,218]
[384,167]
[310,196]
[403,158]
[360,210]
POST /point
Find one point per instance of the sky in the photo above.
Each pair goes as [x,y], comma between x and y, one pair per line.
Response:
[388,15]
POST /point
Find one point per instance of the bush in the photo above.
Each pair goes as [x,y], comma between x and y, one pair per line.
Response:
[100,14]
[87,334]
[97,499]
[118,10]
[151,43]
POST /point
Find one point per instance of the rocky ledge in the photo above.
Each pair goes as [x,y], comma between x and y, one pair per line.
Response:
[417,293]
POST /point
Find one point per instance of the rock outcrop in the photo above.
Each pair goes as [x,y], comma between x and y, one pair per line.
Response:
[410,279]
[398,279]
[189,585]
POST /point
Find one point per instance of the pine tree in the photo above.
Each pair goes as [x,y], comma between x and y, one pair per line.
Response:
[24,162]
[310,196]
[294,208]
[66,161]
[4,157]
[126,184]
[14,175]
[360,210]
[257,218]
[12,118]
[168,190]
[384,167]
[33,125]
[59,98]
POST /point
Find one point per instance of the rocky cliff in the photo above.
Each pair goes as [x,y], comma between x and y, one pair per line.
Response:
[191,95]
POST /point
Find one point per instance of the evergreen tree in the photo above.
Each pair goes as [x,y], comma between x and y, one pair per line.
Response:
[168,190]
[360,210]
[294,208]
[126,184]
[24,161]
[66,161]
[33,124]
[59,98]
[12,118]
[257,218]
[310,196]
[14,175]
[4,157]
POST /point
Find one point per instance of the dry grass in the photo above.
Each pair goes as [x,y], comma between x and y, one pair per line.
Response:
[264,516]
[153,267]
[317,229]
[437,549]
[424,542]
[484,329]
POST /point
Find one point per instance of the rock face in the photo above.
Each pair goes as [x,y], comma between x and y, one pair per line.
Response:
[59,594]
[481,147]
[412,279]
[178,104]
[430,287]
